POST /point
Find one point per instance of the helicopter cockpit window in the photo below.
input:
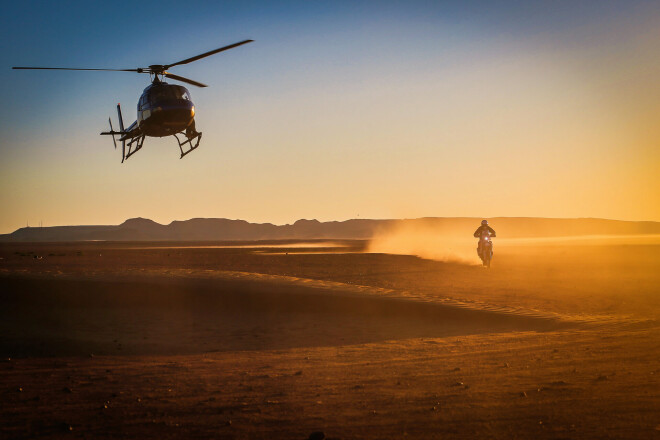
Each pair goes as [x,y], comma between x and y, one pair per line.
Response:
[167,93]
[160,94]
[182,93]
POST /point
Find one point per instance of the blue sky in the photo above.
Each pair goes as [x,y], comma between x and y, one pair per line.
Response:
[339,109]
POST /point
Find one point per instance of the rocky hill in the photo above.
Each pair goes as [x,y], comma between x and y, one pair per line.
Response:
[220,229]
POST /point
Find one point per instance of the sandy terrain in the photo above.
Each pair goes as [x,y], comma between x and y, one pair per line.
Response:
[103,340]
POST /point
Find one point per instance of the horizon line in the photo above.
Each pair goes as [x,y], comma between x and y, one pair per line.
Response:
[41,226]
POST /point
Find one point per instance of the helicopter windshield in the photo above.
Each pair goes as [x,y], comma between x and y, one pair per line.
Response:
[168,93]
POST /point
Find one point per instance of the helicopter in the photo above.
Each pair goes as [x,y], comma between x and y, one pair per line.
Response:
[163,109]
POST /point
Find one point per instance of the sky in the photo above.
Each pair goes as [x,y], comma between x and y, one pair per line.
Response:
[338,110]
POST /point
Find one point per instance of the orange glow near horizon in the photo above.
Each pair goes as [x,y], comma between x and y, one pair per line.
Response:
[478,125]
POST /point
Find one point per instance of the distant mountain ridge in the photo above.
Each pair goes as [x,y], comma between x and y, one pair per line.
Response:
[221,229]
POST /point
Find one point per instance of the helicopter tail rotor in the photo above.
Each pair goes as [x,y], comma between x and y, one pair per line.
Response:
[113,133]
[121,127]
[112,130]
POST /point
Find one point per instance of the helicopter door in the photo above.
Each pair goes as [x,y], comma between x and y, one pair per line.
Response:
[144,111]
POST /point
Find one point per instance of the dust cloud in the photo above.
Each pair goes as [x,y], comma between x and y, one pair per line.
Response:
[451,239]
[427,241]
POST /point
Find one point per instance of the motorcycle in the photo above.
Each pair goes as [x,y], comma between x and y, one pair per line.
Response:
[486,253]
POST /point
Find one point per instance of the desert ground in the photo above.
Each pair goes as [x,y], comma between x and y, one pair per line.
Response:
[280,340]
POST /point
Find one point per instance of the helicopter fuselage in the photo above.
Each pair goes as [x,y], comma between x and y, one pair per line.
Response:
[164,109]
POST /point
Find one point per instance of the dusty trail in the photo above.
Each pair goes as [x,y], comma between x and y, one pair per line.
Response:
[223,343]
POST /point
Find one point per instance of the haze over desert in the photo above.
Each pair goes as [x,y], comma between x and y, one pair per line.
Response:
[285,338]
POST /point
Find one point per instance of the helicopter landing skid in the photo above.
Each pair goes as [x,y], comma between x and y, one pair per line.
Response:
[137,142]
[196,137]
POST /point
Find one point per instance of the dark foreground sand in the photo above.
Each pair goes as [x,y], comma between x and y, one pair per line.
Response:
[110,341]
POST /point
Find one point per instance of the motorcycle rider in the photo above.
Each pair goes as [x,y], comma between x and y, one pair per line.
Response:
[481,229]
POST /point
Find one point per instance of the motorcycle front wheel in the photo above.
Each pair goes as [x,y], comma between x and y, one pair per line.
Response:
[486,256]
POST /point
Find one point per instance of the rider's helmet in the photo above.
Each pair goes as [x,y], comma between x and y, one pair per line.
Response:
[484,222]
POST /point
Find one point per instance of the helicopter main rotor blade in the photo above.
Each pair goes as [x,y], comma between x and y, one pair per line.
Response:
[184,79]
[204,55]
[70,68]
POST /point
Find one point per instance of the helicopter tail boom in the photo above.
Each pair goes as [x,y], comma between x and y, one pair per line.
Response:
[121,120]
